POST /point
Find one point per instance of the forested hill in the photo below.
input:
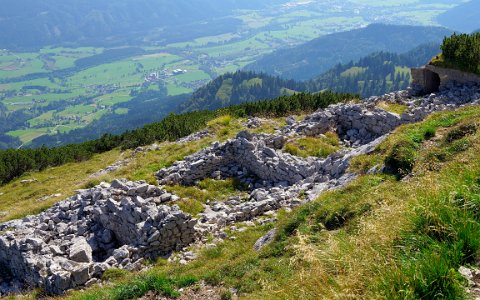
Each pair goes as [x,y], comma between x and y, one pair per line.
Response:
[33,23]
[376,74]
[239,87]
[463,17]
[306,61]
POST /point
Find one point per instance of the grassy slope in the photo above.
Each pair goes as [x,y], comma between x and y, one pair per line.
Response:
[378,237]
[20,199]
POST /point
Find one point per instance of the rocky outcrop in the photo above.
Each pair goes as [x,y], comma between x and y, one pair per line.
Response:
[122,223]
[357,123]
[75,241]
[247,154]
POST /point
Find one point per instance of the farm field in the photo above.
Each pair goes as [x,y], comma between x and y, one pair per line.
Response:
[59,95]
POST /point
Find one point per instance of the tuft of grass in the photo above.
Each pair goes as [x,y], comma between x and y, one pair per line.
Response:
[90,184]
[227,295]
[191,206]
[361,164]
[430,132]
[401,158]
[138,287]
[393,107]
[209,189]
[224,120]
[114,274]
[313,146]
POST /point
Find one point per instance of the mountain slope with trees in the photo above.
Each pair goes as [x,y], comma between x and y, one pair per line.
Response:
[376,74]
[239,87]
[31,23]
[306,61]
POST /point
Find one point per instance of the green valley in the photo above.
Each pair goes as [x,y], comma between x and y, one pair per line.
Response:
[59,88]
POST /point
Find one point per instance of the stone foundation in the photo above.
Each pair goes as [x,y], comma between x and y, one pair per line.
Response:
[431,79]
[75,241]
[117,225]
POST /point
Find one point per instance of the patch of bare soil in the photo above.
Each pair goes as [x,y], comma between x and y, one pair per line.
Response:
[199,291]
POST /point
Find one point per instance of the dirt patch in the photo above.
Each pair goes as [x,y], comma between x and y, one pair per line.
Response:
[197,292]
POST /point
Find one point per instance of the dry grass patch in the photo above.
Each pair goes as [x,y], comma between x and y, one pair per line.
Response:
[313,146]
[20,199]
[393,107]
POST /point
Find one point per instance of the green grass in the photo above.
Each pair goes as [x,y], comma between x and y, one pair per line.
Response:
[393,107]
[401,151]
[77,110]
[206,190]
[192,76]
[18,200]
[252,82]
[364,241]
[121,111]
[174,90]
[118,96]
[353,71]
[151,281]
[313,146]
[225,91]
[42,118]
[27,135]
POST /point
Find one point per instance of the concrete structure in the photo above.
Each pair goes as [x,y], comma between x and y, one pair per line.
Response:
[431,79]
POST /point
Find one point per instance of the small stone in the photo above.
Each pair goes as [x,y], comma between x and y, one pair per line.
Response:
[120,253]
[81,251]
[265,240]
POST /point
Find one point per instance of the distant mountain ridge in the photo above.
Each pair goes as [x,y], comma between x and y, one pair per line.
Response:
[464,17]
[32,23]
[306,61]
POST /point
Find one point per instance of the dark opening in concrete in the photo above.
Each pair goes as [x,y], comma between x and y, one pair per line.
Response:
[432,82]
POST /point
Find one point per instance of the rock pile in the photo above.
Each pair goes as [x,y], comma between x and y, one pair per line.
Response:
[356,123]
[75,241]
[245,154]
[361,123]
[120,224]
[194,136]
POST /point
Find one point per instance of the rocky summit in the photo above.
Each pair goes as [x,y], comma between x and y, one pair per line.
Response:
[119,225]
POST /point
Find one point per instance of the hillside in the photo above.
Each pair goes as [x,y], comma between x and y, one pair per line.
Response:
[375,74]
[310,59]
[331,220]
[239,87]
[28,23]
[463,17]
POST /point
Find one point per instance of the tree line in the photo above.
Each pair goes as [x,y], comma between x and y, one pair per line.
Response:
[462,51]
[16,162]
[375,74]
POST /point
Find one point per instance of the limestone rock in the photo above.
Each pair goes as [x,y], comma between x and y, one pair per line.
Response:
[80,251]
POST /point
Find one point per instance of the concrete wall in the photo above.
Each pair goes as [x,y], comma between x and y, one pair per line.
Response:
[430,79]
